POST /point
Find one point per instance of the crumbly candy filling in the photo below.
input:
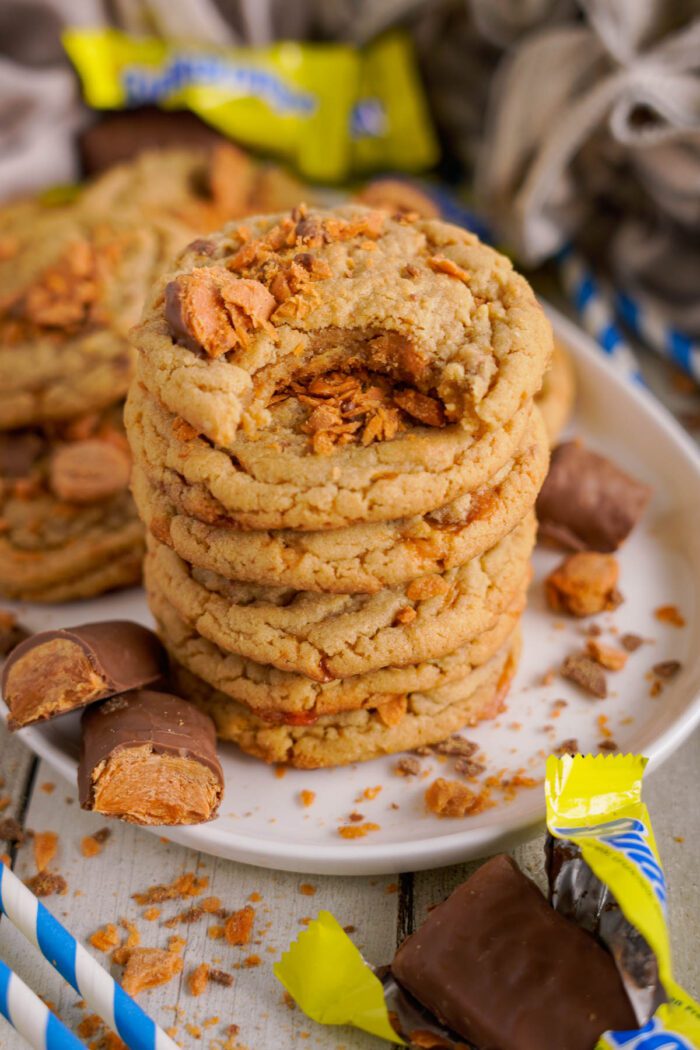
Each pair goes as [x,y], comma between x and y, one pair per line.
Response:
[358,408]
[54,677]
[267,285]
[85,460]
[64,298]
[585,584]
[145,787]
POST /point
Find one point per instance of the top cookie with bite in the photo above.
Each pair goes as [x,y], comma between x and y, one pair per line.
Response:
[441,319]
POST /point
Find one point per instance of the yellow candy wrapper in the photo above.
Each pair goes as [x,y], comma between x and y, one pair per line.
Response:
[329,980]
[606,875]
[329,109]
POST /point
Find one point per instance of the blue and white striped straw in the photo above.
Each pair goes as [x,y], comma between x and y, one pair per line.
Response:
[92,983]
[595,311]
[32,1018]
[642,318]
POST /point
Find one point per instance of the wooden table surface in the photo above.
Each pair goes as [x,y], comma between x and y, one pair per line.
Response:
[382,910]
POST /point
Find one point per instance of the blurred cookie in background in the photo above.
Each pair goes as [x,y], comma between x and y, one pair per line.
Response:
[558,394]
[68,525]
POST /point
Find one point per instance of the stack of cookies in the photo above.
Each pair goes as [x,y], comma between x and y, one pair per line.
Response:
[72,283]
[71,287]
[337,455]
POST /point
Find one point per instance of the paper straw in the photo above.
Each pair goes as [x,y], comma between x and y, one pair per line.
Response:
[647,323]
[92,983]
[32,1018]
[595,311]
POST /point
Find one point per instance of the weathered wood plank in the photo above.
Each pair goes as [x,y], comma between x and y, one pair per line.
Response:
[672,797]
[100,890]
[17,767]
[16,764]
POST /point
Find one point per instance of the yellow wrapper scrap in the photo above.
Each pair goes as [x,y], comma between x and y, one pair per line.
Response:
[330,981]
[596,803]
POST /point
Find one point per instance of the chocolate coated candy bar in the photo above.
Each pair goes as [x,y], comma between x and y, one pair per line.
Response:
[149,758]
[587,502]
[118,137]
[502,969]
[54,672]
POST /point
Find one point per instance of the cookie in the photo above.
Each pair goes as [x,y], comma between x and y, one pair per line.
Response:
[443,325]
[72,287]
[361,558]
[556,398]
[68,526]
[398,196]
[116,569]
[273,481]
[200,186]
[327,636]
[357,736]
[280,696]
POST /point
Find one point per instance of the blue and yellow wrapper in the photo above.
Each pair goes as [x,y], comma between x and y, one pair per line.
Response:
[331,110]
[605,875]
[595,809]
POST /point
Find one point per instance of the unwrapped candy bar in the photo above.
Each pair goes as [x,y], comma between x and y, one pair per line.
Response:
[149,758]
[54,672]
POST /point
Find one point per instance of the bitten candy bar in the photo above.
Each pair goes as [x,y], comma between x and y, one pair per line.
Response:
[502,969]
[149,758]
[587,502]
[54,672]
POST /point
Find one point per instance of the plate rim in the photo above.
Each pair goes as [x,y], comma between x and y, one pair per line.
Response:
[464,843]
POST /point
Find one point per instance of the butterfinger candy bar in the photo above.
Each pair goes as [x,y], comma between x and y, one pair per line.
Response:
[496,968]
[501,968]
[587,502]
[118,137]
[149,758]
[54,672]
[327,108]
[605,874]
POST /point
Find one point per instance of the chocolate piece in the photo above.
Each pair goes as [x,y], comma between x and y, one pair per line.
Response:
[149,758]
[667,668]
[501,968]
[57,671]
[588,503]
[19,451]
[586,673]
[118,137]
[210,309]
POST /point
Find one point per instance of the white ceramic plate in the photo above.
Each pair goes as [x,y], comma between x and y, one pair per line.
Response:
[262,820]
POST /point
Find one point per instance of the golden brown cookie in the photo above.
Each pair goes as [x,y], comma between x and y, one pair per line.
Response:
[272,480]
[357,736]
[442,324]
[202,187]
[361,558]
[556,398]
[71,288]
[398,196]
[280,696]
[69,528]
[327,636]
